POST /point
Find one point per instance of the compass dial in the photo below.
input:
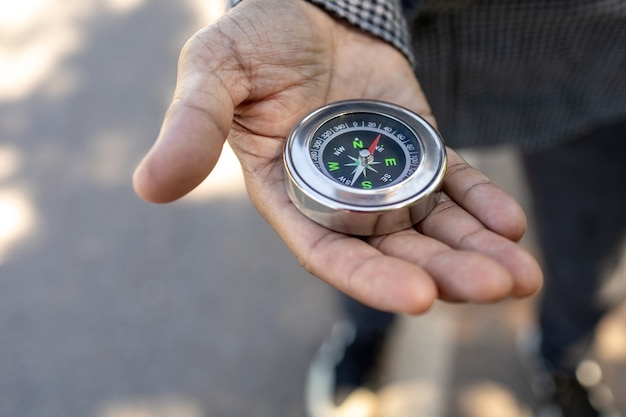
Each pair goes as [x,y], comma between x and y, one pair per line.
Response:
[364,167]
[366,151]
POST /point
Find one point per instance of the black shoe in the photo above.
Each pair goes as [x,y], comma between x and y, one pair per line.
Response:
[559,393]
[569,397]
[341,371]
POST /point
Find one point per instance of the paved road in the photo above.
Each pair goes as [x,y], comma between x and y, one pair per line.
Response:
[111,307]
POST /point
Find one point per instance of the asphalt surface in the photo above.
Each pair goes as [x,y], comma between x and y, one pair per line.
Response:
[113,307]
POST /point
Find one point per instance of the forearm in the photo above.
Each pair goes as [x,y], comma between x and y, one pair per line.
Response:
[382,18]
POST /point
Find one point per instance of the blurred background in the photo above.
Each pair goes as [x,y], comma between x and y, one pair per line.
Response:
[112,307]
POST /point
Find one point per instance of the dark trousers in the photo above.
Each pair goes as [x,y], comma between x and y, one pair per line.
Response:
[579,203]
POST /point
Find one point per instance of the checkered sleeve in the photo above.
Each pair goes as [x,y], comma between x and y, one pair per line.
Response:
[381,18]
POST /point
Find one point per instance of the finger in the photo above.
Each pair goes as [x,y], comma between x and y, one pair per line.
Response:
[383,282]
[454,226]
[196,123]
[460,275]
[349,264]
[364,273]
[473,191]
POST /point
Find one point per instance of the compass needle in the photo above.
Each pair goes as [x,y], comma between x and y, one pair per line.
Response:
[372,147]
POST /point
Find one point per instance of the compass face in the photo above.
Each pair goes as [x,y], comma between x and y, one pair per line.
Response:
[365,150]
[364,167]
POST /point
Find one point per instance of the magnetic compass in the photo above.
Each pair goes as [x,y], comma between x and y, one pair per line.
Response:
[364,167]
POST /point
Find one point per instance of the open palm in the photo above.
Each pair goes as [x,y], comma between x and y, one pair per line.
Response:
[250,77]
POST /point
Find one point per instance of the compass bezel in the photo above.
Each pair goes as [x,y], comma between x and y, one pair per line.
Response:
[327,191]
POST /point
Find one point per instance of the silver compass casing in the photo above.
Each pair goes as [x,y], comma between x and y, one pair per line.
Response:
[358,211]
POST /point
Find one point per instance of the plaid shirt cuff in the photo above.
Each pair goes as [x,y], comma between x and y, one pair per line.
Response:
[381,18]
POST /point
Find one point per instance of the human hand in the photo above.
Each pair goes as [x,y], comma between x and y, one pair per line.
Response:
[250,77]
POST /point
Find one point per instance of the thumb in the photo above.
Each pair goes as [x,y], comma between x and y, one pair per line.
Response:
[195,125]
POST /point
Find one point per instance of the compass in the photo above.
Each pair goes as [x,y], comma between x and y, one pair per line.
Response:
[364,167]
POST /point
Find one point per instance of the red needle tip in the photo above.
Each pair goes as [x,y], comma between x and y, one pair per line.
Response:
[372,147]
